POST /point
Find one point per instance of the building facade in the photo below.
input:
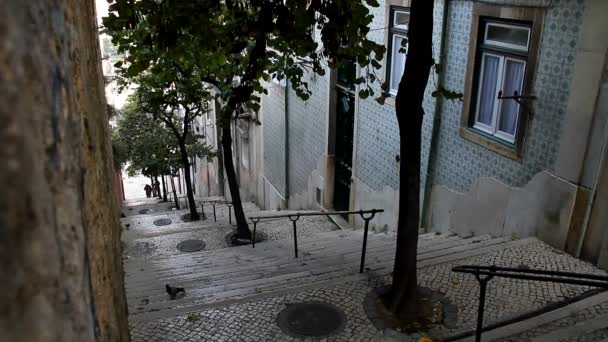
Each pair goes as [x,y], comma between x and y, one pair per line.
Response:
[523,153]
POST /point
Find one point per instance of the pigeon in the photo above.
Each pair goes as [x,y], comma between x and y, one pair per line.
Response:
[173,291]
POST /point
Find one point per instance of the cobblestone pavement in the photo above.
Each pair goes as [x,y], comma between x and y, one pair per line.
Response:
[505,298]
[144,239]
[599,309]
[254,320]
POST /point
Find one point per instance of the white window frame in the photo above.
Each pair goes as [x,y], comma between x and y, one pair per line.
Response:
[395,30]
[503,44]
[493,129]
[496,111]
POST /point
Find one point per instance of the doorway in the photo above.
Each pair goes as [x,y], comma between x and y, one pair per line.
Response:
[345,117]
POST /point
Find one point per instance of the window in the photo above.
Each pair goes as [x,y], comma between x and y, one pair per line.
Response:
[502,58]
[397,41]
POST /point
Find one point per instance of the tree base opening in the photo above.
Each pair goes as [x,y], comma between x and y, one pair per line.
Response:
[233,240]
[433,309]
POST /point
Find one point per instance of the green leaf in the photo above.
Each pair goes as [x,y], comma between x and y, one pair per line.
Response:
[363,93]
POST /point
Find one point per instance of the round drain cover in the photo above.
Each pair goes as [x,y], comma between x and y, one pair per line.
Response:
[186,218]
[190,246]
[145,211]
[311,319]
[162,222]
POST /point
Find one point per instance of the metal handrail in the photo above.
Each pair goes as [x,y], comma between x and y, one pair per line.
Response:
[213,203]
[484,274]
[294,217]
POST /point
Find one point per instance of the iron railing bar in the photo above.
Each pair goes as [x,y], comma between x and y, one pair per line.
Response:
[523,274]
[294,217]
[546,279]
[320,213]
[497,270]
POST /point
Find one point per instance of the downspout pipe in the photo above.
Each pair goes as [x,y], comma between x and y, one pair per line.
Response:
[432,158]
[286,143]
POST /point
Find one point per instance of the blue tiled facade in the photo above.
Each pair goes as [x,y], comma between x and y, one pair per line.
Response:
[459,162]
[307,132]
[273,125]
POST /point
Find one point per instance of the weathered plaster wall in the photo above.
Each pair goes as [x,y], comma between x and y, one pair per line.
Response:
[542,208]
[60,258]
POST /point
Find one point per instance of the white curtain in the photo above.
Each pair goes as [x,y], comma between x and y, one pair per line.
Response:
[397,64]
[513,79]
[488,93]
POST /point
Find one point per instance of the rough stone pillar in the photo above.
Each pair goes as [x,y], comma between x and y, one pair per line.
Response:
[60,261]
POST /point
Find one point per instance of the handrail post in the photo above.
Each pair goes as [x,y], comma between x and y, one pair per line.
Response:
[229,205]
[295,232]
[203,211]
[483,282]
[255,223]
[365,230]
[214,217]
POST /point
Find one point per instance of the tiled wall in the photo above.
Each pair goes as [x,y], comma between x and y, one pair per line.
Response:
[307,131]
[460,162]
[273,124]
[377,131]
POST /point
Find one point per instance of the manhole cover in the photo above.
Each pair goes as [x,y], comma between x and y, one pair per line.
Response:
[162,222]
[190,246]
[145,211]
[311,319]
[186,218]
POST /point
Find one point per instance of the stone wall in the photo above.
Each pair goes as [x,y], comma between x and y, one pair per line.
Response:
[60,258]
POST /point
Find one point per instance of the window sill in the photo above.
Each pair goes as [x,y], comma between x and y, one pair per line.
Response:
[479,138]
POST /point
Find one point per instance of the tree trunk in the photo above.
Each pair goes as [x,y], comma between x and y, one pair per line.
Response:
[174,193]
[194,215]
[401,299]
[162,178]
[152,185]
[241,221]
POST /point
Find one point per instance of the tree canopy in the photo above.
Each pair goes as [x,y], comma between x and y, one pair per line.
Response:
[237,45]
[148,145]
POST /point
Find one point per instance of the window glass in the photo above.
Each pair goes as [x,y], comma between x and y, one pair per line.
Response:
[487,91]
[401,20]
[513,81]
[507,35]
[397,63]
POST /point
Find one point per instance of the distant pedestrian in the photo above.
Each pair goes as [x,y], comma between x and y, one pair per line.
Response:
[148,190]
[157,188]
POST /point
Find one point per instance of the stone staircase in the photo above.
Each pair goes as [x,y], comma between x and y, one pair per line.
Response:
[584,320]
[219,277]
[212,278]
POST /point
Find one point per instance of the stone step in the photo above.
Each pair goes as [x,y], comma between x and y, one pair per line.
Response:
[205,261]
[290,274]
[248,259]
[306,244]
